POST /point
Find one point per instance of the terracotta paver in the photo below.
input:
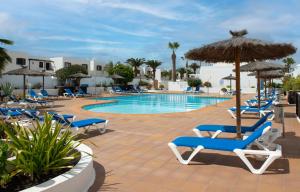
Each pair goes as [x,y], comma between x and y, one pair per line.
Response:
[133,155]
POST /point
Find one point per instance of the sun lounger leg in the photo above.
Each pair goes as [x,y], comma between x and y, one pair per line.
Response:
[272,156]
[231,113]
[178,155]
[103,130]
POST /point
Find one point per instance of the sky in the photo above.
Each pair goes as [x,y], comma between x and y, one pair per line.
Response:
[115,30]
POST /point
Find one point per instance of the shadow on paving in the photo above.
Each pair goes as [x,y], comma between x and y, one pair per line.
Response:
[92,133]
[290,145]
[99,184]
[279,166]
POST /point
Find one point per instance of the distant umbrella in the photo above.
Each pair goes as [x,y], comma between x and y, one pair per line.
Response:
[274,74]
[259,67]
[26,72]
[116,76]
[230,78]
[79,76]
[240,49]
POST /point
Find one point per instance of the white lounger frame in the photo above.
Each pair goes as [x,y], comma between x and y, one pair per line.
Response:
[261,113]
[241,153]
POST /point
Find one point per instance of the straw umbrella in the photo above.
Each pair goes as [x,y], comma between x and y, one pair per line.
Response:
[78,77]
[274,74]
[230,78]
[26,72]
[240,49]
[259,67]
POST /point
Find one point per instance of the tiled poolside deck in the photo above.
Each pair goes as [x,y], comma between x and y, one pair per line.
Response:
[133,155]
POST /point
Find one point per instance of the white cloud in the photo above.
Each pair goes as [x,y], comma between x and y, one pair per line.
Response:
[143,8]
[142,33]
[75,39]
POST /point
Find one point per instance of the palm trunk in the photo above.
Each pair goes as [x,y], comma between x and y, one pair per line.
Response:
[174,66]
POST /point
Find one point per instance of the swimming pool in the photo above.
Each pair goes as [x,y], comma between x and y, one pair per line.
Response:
[153,103]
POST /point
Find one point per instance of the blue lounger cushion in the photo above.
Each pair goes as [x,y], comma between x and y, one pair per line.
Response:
[220,144]
[86,122]
[231,128]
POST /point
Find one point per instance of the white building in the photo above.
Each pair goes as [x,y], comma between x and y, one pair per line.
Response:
[214,74]
[21,59]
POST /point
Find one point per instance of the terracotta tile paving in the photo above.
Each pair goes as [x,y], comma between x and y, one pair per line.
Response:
[133,155]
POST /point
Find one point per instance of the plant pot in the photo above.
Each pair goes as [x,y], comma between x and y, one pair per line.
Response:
[292,97]
[80,178]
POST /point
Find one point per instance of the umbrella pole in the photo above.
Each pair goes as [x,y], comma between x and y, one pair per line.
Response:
[230,86]
[238,93]
[43,82]
[265,85]
[258,89]
[24,86]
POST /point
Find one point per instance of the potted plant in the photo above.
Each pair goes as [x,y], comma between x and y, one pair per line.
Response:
[208,85]
[291,85]
[45,158]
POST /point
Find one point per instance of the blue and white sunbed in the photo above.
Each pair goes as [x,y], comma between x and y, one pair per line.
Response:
[7,113]
[197,90]
[189,90]
[240,147]
[262,111]
[32,94]
[45,94]
[86,123]
[217,129]
[42,103]
[69,93]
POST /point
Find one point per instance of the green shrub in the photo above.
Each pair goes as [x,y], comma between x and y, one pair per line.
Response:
[63,73]
[291,83]
[5,177]
[7,88]
[194,82]
[41,151]
[125,71]
[143,83]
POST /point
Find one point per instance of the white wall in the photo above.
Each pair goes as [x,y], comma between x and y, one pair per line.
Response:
[216,72]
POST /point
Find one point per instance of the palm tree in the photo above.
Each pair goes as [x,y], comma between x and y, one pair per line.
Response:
[165,74]
[153,64]
[4,57]
[181,71]
[194,67]
[174,46]
[135,63]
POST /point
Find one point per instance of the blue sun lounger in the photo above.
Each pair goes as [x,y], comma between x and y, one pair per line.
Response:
[32,94]
[217,129]
[7,113]
[253,109]
[86,123]
[46,95]
[189,90]
[69,93]
[240,147]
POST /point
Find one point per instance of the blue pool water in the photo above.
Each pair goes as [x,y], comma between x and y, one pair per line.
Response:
[153,103]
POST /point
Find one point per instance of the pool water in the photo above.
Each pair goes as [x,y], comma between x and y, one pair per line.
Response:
[153,103]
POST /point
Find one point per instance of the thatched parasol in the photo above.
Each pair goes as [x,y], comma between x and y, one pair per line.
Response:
[230,78]
[27,72]
[79,76]
[259,67]
[116,76]
[240,49]
[274,74]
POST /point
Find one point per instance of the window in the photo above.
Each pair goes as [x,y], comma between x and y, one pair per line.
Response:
[48,66]
[41,64]
[67,64]
[85,66]
[21,61]
[99,68]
